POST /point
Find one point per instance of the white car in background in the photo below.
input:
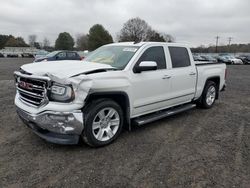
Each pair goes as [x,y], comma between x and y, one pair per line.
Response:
[40,54]
[83,54]
[234,60]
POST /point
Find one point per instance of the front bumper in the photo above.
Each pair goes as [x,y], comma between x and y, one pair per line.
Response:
[55,127]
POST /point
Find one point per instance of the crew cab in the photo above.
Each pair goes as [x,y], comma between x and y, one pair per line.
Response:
[118,85]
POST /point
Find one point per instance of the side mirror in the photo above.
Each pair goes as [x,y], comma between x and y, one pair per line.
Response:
[145,66]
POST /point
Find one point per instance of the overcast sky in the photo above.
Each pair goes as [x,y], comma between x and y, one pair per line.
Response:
[192,21]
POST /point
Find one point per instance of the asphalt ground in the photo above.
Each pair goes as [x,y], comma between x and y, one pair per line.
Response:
[197,148]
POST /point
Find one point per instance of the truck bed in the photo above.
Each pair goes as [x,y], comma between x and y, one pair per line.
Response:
[209,70]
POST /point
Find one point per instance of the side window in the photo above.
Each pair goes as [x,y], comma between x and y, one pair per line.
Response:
[61,55]
[179,57]
[156,54]
[71,54]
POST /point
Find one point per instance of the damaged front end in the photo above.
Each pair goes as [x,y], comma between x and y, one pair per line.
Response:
[51,106]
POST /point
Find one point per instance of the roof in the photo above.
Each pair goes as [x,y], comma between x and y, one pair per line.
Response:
[127,44]
[139,44]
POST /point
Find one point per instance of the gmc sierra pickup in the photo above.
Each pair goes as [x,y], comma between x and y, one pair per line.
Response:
[117,85]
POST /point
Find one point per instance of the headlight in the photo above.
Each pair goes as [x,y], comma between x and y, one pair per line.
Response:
[61,93]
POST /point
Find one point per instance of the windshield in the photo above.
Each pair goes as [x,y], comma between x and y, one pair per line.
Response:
[52,54]
[116,56]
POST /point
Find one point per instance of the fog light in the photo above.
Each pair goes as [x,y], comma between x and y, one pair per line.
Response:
[57,117]
[66,130]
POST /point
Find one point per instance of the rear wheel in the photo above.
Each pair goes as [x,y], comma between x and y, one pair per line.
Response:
[103,122]
[208,95]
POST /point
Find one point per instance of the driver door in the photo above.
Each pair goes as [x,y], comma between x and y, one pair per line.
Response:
[150,89]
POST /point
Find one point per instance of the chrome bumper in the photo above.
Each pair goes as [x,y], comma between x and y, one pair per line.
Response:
[55,124]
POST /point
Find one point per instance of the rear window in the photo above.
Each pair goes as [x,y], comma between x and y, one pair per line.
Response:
[179,57]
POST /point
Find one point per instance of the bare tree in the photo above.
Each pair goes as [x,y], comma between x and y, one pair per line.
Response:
[46,42]
[82,42]
[168,38]
[155,36]
[32,40]
[136,30]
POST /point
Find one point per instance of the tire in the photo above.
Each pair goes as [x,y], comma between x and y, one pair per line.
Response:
[100,128]
[208,95]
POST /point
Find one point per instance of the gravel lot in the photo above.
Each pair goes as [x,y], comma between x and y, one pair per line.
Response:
[198,148]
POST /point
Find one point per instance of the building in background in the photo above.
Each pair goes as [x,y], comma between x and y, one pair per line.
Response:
[19,51]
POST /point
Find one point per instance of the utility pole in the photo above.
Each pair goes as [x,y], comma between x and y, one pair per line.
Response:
[229,40]
[229,43]
[216,45]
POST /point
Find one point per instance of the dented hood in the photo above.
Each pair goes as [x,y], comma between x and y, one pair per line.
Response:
[63,69]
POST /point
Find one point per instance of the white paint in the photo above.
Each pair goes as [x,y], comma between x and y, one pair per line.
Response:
[148,91]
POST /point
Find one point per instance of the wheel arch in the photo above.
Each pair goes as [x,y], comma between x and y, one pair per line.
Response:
[120,97]
[216,80]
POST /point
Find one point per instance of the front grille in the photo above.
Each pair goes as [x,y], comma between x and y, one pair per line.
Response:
[32,91]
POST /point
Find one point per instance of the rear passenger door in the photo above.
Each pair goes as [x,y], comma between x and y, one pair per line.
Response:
[183,75]
[73,56]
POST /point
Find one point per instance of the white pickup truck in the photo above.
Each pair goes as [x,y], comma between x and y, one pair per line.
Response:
[117,85]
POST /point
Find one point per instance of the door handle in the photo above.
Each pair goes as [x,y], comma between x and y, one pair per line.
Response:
[166,77]
[192,73]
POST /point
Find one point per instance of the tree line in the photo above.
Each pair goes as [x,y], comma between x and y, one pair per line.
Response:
[134,29]
[11,41]
[232,48]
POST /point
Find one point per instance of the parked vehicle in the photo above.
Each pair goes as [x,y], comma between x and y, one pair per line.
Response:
[1,55]
[59,56]
[229,60]
[198,58]
[223,59]
[27,55]
[12,55]
[234,60]
[245,59]
[83,54]
[118,85]
[209,58]
[41,54]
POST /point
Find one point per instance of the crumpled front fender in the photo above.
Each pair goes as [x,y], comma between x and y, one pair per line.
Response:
[81,85]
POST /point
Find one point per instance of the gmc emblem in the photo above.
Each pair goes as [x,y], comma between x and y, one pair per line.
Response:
[25,85]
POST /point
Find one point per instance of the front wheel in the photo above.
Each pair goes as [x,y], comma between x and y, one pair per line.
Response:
[103,122]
